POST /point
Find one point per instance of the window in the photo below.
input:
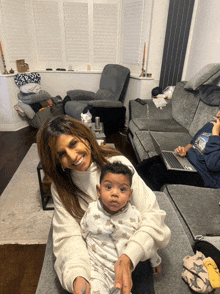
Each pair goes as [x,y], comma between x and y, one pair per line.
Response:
[132,33]
[60,33]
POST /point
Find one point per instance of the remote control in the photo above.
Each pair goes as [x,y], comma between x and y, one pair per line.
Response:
[141,101]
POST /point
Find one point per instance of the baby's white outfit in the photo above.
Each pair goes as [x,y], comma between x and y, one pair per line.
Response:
[106,237]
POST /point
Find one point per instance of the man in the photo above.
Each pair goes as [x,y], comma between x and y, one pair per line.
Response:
[204,154]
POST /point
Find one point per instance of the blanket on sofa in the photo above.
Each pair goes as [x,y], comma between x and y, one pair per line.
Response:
[209,94]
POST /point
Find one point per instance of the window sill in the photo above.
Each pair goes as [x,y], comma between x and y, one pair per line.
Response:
[133,76]
[55,71]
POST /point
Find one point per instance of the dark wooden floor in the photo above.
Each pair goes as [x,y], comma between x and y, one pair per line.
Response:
[14,146]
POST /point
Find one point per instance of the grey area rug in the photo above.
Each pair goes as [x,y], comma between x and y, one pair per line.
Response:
[22,219]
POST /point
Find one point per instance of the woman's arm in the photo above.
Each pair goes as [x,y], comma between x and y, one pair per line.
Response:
[72,258]
[153,233]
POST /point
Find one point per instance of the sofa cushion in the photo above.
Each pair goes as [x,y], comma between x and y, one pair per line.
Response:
[149,110]
[105,94]
[198,206]
[171,140]
[184,105]
[143,144]
[75,108]
[204,114]
[162,125]
[206,75]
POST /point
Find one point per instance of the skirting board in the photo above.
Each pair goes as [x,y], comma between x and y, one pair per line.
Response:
[13,127]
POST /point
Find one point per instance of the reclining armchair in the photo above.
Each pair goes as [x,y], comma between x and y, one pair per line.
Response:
[107,102]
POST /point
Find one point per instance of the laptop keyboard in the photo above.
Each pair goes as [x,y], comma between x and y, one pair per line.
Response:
[172,160]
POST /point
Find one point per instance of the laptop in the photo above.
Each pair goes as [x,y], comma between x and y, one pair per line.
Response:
[172,160]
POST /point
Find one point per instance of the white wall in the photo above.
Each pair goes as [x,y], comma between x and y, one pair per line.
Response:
[204,42]
[158,31]
[9,119]
[58,83]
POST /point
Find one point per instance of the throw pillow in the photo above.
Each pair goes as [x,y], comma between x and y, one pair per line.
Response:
[205,76]
[26,78]
[30,88]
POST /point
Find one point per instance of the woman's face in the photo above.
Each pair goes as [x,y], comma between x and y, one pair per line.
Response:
[74,153]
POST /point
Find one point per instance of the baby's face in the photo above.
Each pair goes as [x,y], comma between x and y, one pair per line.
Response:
[114,191]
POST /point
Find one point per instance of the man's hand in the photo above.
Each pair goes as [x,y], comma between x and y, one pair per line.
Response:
[216,127]
[181,151]
[123,280]
[81,286]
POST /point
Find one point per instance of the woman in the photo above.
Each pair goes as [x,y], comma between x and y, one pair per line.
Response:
[71,157]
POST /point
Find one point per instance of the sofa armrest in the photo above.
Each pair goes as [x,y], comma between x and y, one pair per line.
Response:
[105,103]
[78,95]
[25,110]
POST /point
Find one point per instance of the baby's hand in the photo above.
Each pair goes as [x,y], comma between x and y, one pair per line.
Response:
[157,270]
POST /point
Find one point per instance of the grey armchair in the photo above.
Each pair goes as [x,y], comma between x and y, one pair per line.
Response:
[107,102]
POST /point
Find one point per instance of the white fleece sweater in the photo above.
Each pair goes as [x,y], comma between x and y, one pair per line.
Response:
[72,258]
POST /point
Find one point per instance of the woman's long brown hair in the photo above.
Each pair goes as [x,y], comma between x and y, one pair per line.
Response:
[46,142]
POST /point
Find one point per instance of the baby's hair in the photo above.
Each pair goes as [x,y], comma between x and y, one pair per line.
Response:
[116,168]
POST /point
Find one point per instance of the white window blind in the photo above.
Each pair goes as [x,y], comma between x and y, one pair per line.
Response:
[76,24]
[132,44]
[59,33]
[105,33]
[47,31]
[15,31]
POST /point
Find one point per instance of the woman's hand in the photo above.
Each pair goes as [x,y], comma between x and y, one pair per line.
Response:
[123,280]
[216,127]
[81,286]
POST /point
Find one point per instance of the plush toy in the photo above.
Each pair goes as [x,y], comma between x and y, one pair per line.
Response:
[86,118]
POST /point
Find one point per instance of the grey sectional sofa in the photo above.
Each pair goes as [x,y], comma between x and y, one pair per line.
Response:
[174,125]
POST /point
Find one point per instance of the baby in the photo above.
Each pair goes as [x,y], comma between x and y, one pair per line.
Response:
[108,224]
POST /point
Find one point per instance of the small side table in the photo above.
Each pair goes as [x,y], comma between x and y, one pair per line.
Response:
[47,202]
